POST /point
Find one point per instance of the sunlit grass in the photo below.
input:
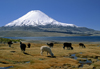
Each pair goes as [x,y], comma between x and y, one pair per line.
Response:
[32,59]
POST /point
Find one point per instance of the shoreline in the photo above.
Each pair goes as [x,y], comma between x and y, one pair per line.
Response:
[59,42]
[72,39]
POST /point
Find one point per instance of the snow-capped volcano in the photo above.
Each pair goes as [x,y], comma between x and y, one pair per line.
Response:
[36,18]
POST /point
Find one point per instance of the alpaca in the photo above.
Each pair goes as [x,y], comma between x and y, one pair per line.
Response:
[50,45]
[47,49]
[29,45]
[22,46]
[10,43]
[68,45]
[81,44]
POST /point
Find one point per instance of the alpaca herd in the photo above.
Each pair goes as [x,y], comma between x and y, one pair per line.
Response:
[23,46]
[46,48]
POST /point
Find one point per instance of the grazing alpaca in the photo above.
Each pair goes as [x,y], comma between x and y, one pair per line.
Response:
[47,49]
[50,45]
[68,45]
[10,43]
[22,46]
[29,45]
[81,44]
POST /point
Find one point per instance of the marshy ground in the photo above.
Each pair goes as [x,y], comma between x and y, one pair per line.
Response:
[13,58]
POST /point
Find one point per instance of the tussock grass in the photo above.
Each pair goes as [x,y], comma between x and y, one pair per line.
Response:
[32,59]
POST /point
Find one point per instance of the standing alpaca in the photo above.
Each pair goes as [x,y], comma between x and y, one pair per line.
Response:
[68,45]
[50,45]
[47,49]
[22,46]
[29,45]
[10,43]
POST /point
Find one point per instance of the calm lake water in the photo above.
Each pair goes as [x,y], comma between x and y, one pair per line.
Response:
[69,38]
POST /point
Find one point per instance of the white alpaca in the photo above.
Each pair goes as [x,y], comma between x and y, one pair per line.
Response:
[47,49]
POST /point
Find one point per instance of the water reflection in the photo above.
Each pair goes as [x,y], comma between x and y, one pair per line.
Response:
[6,67]
[82,61]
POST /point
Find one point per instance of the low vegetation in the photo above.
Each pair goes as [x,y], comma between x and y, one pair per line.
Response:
[5,40]
[32,59]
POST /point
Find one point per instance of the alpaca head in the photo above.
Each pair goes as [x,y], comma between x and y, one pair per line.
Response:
[63,47]
[52,54]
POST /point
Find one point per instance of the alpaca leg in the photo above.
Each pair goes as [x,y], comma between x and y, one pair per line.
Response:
[21,49]
[63,47]
[41,52]
[9,45]
[24,49]
[71,48]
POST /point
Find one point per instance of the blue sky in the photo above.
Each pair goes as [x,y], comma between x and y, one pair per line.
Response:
[83,13]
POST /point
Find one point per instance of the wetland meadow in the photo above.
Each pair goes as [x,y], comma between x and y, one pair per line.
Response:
[78,58]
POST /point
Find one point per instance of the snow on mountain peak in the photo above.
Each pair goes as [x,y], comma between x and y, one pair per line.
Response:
[35,18]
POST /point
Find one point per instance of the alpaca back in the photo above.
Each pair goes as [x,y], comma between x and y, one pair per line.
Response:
[46,48]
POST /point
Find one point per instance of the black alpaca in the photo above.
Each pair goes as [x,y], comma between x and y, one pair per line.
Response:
[81,44]
[10,43]
[50,45]
[22,46]
[68,45]
[28,45]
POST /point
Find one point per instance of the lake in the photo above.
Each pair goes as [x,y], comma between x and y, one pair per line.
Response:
[69,38]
